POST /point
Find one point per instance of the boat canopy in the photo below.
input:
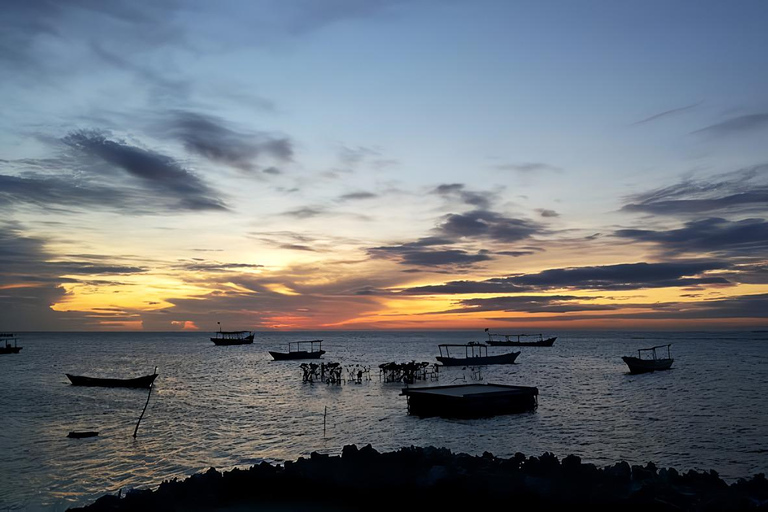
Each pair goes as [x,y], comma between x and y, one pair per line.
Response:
[471,349]
[299,346]
[651,352]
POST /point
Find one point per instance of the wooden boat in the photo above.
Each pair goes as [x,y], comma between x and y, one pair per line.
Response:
[137,382]
[298,350]
[647,360]
[5,344]
[224,338]
[495,341]
[82,434]
[470,400]
[474,354]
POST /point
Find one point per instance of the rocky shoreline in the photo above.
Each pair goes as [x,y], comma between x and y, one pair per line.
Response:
[413,478]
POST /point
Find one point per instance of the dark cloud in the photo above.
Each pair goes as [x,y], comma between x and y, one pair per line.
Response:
[413,254]
[667,113]
[356,196]
[737,125]
[742,307]
[494,285]
[208,136]
[629,276]
[204,266]
[297,247]
[515,254]
[488,225]
[159,173]
[531,304]
[89,268]
[742,191]
[547,213]
[459,191]
[748,237]
[31,282]
[52,191]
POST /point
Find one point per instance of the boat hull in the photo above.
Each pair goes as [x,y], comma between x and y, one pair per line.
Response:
[138,382]
[10,350]
[637,365]
[544,343]
[301,354]
[222,342]
[467,361]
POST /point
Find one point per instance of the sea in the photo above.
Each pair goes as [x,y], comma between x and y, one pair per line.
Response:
[228,407]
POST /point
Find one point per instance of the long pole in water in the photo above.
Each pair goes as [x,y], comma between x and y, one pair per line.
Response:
[325,413]
[145,408]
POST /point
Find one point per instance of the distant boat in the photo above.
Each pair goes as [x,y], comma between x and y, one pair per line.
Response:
[137,382]
[474,354]
[494,341]
[298,350]
[647,360]
[224,338]
[5,344]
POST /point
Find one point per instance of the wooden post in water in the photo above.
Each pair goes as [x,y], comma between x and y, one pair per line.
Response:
[325,413]
[145,407]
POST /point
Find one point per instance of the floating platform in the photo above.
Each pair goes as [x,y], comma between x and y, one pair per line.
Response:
[470,400]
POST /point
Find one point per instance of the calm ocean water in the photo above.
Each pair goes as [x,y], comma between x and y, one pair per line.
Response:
[233,406]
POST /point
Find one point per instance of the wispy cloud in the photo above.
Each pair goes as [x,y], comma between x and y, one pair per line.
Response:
[741,191]
[737,125]
[528,167]
[667,113]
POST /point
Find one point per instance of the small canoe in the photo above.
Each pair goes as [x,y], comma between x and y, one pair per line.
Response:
[137,382]
[80,435]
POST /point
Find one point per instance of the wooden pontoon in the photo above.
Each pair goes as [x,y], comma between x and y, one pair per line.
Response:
[647,360]
[298,350]
[470,400]
[473,354]
[508,341]
[82,434]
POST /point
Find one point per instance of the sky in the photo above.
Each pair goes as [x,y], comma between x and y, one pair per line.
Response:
[383,164]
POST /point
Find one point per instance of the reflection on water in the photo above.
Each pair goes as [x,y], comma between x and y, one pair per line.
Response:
[233,406]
